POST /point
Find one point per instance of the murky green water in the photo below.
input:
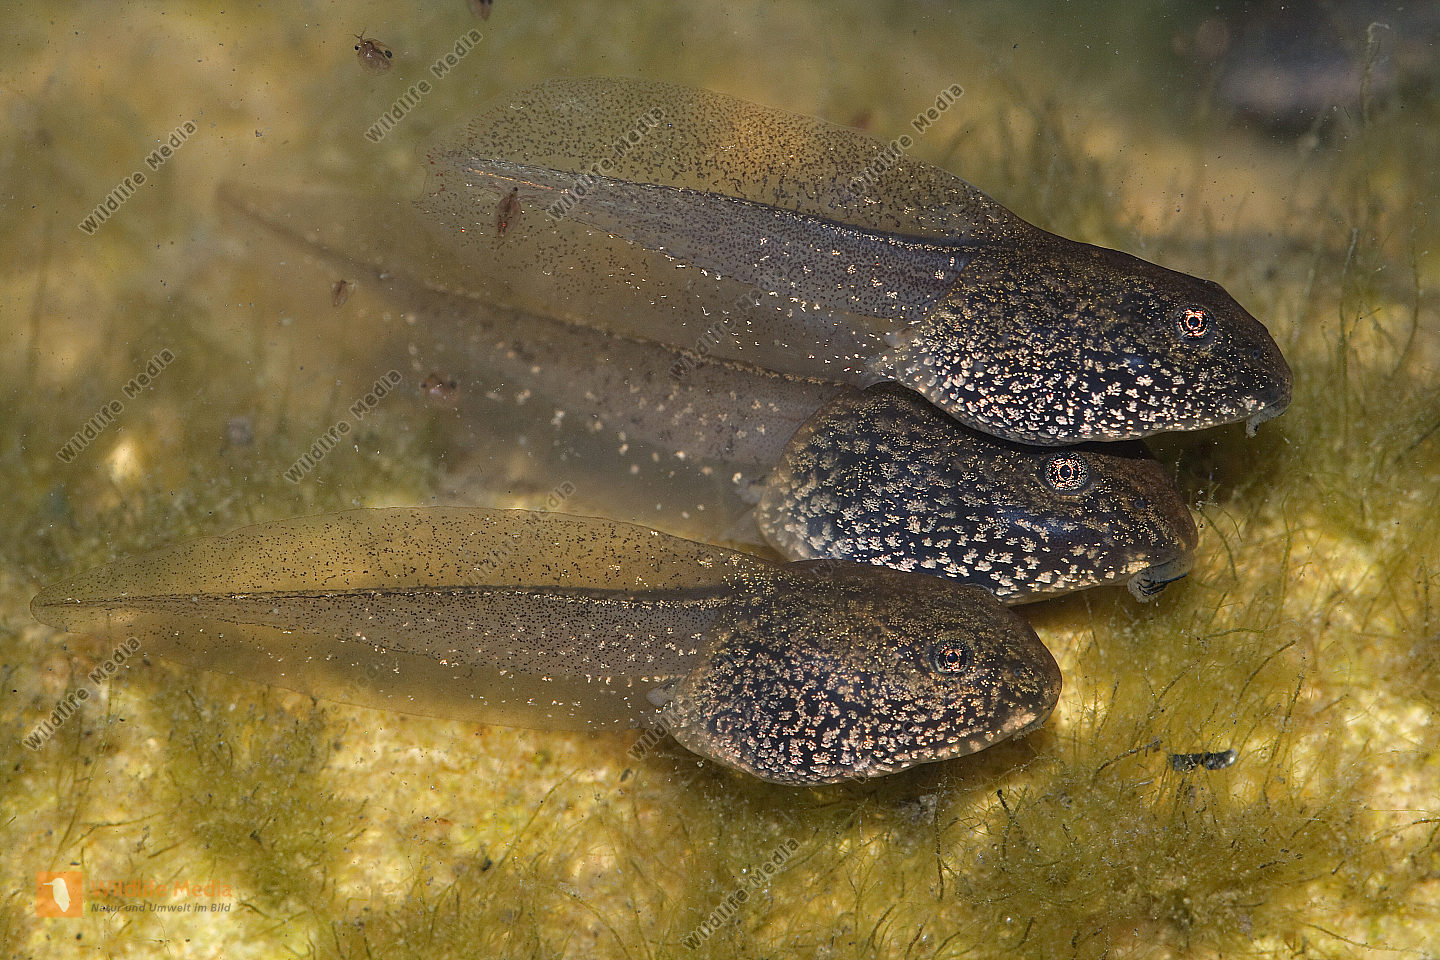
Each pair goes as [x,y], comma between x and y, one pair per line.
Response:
[169,363]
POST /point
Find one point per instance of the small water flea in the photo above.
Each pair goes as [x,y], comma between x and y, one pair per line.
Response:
[340,292]
[372,53]
[439,388]
[509,208]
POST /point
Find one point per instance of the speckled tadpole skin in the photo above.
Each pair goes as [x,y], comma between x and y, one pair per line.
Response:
[1054,341]
[874,476]
[828,254]
[901,484]
[801,673]
[851,671]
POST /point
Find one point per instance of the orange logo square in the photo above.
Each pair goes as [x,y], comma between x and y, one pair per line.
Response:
[59,894]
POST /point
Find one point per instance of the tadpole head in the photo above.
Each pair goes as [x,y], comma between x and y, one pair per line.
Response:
[850,671]
[883,477]
[1055,342]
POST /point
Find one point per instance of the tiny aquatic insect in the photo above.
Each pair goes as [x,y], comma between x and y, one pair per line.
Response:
[439,389]
[481,8]
[340,292]
[509,209]
[796,673]
[372,53]
[1219,760]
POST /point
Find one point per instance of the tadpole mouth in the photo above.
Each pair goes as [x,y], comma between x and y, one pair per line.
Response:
[1274,399]
[1027,725]
[1268,412]
[1148,583]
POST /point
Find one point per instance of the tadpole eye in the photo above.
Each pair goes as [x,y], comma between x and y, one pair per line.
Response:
[1067,473]
[1193,323]
[951,657]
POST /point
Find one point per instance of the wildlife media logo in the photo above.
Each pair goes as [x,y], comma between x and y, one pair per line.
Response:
[59,893]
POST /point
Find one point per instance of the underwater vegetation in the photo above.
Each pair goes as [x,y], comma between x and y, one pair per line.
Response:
[1305,638]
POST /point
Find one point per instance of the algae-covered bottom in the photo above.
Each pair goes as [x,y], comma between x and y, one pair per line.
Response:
[1304,638]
